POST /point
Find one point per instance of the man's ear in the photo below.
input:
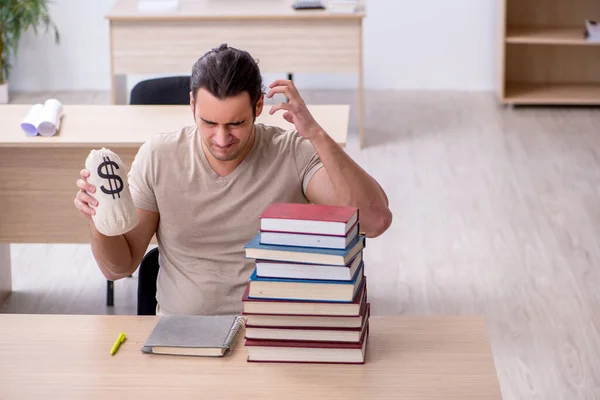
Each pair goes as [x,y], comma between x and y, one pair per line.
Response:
[193,105]
[260,104]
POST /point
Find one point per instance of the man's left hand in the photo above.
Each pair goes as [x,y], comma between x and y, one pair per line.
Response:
[296,111]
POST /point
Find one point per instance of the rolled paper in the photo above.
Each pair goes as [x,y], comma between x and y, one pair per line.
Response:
[50,118]
[32,120]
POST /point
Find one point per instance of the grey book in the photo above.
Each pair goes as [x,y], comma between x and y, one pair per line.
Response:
[194,335]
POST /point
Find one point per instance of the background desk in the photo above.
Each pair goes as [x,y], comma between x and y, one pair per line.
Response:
[37,187]
[407,358]
[282,39]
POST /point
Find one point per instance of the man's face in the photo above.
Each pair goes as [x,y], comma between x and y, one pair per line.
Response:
[225,125]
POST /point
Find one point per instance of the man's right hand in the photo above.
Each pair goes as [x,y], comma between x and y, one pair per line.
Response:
[84,202]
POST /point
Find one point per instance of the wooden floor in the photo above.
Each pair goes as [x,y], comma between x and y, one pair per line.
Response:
[496,212]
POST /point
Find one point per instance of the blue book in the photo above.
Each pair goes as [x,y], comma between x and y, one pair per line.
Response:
[305,289]
[310,255]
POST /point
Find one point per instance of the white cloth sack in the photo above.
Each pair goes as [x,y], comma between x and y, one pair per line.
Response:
[115,214]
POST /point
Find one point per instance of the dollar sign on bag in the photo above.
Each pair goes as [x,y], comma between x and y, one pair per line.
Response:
[113,180]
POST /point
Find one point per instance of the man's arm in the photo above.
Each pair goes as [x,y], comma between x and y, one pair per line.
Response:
[119,256]
[342,181]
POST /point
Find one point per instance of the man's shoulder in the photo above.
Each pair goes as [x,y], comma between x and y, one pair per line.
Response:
[277,138]
[170,140]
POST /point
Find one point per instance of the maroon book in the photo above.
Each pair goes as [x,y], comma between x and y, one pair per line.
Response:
[307,321]
[307,352]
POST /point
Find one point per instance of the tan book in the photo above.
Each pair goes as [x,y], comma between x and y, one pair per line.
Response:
[305,321]
[311,334]
[305,308]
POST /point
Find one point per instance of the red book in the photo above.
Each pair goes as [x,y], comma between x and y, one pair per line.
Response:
[308,218]
[307,352]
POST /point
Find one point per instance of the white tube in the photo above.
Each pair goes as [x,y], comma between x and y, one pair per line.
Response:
[50,118]
[32,120]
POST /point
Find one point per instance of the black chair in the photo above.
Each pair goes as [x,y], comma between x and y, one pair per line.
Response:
[148,273]
[173,90]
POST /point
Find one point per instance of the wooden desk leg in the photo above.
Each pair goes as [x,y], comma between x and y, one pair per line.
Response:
[361,89]
[119,89]
[5,272]
[118,83]
[113,91]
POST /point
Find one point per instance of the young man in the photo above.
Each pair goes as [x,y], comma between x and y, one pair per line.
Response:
[201,189]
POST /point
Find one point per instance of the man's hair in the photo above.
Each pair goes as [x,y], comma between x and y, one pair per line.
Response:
[226,71]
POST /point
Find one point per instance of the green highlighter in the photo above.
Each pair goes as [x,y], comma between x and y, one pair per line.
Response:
[115,347]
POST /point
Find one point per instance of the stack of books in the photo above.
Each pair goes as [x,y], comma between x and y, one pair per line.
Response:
[306,300]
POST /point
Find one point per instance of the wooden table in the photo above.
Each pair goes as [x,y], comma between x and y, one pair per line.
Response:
[37,187]
[68,356]
[282,39]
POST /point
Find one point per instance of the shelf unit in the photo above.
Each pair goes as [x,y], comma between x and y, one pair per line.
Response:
[542,54]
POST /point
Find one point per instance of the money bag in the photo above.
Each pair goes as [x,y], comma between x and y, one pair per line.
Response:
[115,212]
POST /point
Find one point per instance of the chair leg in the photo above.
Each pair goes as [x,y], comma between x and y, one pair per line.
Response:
[110,293]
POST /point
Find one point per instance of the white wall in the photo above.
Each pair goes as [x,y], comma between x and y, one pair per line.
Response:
[426,44]
[81,61]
